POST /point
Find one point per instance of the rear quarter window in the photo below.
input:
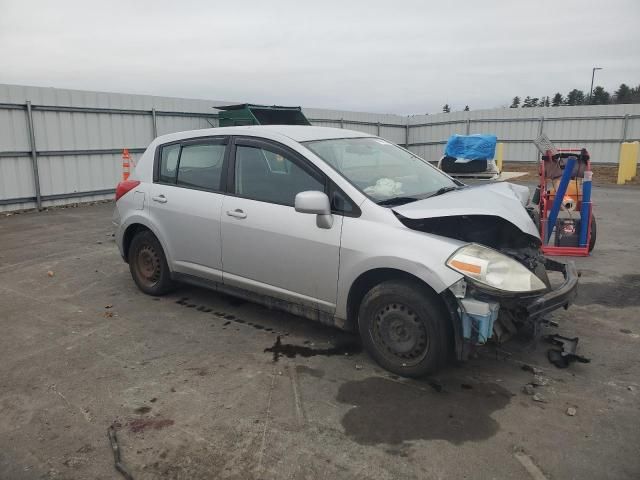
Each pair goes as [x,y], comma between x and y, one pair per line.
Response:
[168,170]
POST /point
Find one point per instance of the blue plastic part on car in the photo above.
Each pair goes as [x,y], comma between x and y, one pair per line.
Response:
[471,147]
[477,320]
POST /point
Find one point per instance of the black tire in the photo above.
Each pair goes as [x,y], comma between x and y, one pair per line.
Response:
[405,328]
[592,239]
[148,264]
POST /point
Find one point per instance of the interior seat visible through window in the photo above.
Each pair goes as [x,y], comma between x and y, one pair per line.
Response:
[267,176]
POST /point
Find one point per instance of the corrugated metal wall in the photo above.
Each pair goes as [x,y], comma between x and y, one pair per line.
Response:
[600,129]
[79,135]
[79,150]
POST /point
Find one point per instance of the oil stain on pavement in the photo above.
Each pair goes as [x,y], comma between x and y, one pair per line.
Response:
[392,412]
[289,350]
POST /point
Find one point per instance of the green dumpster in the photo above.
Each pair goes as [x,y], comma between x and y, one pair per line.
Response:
[250,114]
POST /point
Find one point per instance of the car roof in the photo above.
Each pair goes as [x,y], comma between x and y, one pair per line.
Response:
[299,133]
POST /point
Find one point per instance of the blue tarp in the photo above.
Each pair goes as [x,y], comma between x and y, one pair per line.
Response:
[471,147]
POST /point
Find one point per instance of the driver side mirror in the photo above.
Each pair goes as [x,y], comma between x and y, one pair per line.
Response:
[315,202]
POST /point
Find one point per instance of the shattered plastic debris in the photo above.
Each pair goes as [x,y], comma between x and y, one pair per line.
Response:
[566,354]
[571,411]
[539,381]
[539,398]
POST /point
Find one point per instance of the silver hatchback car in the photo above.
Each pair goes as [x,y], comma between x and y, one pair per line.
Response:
[344,228]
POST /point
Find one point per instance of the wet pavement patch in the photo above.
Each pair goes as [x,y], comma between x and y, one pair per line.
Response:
[391,412]
[289,350]
[620,292]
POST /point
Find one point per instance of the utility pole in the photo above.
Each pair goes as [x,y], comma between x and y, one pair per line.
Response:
[593,74]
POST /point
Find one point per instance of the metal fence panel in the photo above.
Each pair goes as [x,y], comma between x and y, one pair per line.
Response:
[14,136]
[16,178]
[79,135]
[170,124]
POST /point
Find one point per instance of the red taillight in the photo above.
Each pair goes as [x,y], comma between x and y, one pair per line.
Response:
[124,187]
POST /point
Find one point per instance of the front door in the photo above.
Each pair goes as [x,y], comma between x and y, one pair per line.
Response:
[186,204]
[267,246]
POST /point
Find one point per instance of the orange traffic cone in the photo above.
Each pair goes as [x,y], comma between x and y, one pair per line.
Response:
[126,163]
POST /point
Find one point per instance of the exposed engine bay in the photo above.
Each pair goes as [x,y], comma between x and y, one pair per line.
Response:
[488,230]
[500,234]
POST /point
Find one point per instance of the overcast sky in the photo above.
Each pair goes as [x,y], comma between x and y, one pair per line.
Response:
[378,56]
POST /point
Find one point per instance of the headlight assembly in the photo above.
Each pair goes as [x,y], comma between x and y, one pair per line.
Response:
[493,269]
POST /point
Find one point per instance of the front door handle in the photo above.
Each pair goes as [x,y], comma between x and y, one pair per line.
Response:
[237,213]
[159,199]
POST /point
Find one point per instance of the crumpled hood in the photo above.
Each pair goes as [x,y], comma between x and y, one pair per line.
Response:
[499,199]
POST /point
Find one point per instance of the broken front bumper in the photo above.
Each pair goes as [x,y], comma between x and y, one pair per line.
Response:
[562,296]
[506,313]
[533,307]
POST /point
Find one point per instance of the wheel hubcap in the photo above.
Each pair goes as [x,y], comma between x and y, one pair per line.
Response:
[148,263]
[400,333]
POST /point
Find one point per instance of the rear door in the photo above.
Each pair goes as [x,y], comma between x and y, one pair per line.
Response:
[267,246]
[186,204]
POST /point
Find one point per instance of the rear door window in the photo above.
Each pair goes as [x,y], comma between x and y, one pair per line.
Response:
[193,164]
[200,166]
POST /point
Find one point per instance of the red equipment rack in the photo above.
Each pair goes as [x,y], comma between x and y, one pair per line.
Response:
[546,200]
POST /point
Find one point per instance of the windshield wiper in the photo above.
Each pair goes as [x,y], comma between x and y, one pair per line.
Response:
[442,190]
[396,200]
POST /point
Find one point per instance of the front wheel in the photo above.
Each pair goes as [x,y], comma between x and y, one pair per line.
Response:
[404,328]
[148,264]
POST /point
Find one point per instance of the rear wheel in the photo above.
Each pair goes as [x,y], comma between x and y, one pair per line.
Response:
[592,238]
[404,328]
[148,264]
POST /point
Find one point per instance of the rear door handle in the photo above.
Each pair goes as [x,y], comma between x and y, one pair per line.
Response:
[159,199]
[237,213]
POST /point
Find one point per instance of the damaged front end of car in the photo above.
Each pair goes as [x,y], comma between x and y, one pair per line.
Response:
[506,286]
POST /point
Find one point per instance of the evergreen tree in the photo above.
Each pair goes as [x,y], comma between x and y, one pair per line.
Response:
[466,108]
[445,108]
[575,97]
[600,96]
[557,100]
[545,102]
[515,102]
[635,94]
[623,94]
[527,102]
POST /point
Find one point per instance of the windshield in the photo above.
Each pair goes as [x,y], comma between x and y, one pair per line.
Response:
[381,169]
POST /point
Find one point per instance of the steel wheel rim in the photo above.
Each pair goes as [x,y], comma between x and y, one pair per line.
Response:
[400,335]
[148,265]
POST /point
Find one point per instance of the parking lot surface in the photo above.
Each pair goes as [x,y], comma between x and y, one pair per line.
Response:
[200,385]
